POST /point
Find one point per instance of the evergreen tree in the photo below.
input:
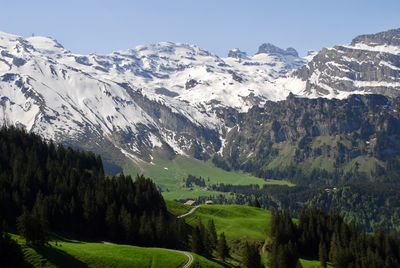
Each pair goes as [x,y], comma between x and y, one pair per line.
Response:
[334,249]
[197,241]
[31,228]
[206,240]
[255,202]
[348,246]
[212,233]
[322,252]
[222,247]
[251,256]
[65,190]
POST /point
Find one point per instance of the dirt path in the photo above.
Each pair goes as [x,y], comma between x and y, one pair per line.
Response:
[188,213]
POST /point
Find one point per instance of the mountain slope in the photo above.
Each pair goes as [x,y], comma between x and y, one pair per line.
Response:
[170,98]
[134,103]
[369,64]
[318,139]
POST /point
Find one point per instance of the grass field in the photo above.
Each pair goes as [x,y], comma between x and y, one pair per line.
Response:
[202,262]
[239,223]
[177,208]
[236,221]
[72,253]
[311,263]
[170,173]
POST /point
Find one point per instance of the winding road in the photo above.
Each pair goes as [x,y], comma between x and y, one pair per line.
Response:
[190,259]
[188,213]
[187,254]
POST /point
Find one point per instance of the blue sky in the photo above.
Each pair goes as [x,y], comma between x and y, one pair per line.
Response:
[98,26]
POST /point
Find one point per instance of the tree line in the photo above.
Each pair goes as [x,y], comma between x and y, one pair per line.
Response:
[330,239]
[357,201]
[204,241]
[50,188]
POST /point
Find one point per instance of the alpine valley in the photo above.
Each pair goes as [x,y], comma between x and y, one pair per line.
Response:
[271,130]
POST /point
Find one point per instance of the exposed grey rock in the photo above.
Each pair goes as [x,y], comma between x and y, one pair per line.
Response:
[237,54]
[165,92]
[354,68]
[269,48]
[391,37]
[236,77]
[191,83]
[299,131]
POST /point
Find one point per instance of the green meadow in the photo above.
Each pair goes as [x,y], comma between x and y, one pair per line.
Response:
[236,221]
[169,174]
[74,253]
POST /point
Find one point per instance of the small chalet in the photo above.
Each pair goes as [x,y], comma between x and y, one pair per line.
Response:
[190,202]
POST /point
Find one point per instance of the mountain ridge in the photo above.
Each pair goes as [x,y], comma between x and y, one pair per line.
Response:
[171,97]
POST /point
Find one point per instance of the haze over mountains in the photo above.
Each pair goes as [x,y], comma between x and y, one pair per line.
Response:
[174,98]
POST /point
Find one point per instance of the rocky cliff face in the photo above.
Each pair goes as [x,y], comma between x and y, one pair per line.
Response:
[370,64]
[269,48]
[357,135]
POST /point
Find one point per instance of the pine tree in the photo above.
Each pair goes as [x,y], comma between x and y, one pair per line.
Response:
[212,233]
[205,237]
[83,200]
[31,228]
[222,247]
[40,215]
[251,256]
[197,242]
[112,222]
[125,219]
[334,249]
[322,252]
[255,202]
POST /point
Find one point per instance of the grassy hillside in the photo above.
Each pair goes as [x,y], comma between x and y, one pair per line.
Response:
[311,263]
[73,253]
[170,173]
[236,221]
[202,262]
[177,208]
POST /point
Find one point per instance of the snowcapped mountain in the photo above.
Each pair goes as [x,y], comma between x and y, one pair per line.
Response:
[170,97]
[163,96]
[369,64]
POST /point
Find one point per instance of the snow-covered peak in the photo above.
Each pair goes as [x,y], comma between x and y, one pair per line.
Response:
[13,42]
[7,36]
[46,45]
[166,94]
[369,64]
[169,48]
[130,93]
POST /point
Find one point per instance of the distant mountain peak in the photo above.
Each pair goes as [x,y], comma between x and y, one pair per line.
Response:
[237,54]
[390,37]
[269,48]
[47,44]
